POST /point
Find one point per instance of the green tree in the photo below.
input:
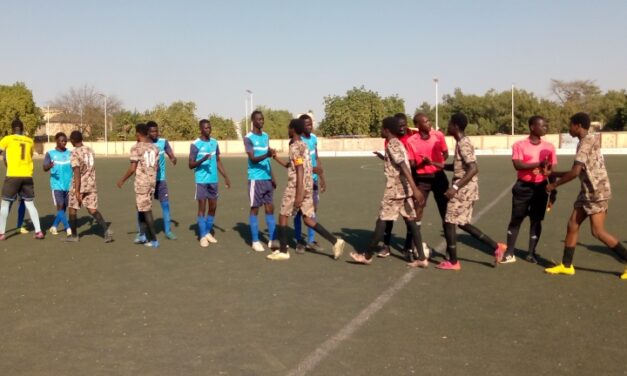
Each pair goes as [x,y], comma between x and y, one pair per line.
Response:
[359,112]
[124,122]
[177,121]
[17,99]
[222,128]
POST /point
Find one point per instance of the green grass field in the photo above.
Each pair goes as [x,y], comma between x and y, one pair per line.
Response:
[119,309]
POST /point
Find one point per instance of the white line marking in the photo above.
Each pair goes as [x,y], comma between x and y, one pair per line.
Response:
[320,353]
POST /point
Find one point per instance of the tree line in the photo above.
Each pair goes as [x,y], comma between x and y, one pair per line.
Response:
[356,113]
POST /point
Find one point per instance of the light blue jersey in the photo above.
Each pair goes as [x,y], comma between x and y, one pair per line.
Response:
[207,172]
[163,146]
[312,145]
[259,145]
[61,172]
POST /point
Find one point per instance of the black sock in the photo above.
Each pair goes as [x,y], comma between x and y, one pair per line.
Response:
[450,234]
[414,228]
[74,224]
[379,228]
[387,238]
[151,233]
[512,233]
[535,230]
[282,232]
[477,234]
[409,239]
[567,258]
[324,233]
[100,220]
[620,250]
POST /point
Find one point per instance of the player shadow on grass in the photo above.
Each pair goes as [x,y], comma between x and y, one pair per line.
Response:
[475,244]
[194,229]
[359,239]
[243,229]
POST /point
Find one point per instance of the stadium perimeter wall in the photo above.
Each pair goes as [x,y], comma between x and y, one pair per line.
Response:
[611,142]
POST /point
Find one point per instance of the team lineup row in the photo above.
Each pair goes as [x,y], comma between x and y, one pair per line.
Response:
[414,165]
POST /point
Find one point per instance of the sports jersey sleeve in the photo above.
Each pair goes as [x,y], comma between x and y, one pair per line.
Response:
[167,148]
[217,149]
[517,154]
[47,159]
[583,153]
[135,157]
[248,145]
[75,159]
[298,155]
[395,151]
[193,153]
[4,142]
[467,152]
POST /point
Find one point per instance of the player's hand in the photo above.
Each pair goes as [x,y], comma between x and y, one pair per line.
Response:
[322,185]
[79,199]
[271,152]
[206,157]
[426,161]
[450,193]
[119,183]
[298,202]
[173,161]
[378,154]
[273,184]
[550,187]
[318,170]
[227,183]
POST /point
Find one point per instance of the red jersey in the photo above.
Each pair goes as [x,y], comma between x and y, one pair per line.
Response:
[403,139]
[418,148]
[527,152]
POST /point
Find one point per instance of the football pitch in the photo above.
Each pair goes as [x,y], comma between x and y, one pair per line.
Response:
[92,308]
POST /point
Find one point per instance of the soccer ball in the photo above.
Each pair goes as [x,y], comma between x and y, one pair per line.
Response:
[426,250]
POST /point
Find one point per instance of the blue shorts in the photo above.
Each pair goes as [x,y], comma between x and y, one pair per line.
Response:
[260,192]
[207,191]
[61,198]
[161,191]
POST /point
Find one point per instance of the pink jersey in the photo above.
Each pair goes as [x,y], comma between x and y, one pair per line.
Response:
[527,152]
[417,149]
[442,140]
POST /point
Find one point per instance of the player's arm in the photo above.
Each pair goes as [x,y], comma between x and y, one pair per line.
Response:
[379,155]
[473,170]
[418,196]
[48,162]
[77,182]
[428,162]
[300,189]
[279,161]
[564,177]
[520,165]
[193,153]
[250,151]
[272,179]
[129,172]
[321,181]
[170,153]
[227,181]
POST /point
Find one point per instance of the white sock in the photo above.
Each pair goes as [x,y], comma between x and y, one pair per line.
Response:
[4,214]
[33,214]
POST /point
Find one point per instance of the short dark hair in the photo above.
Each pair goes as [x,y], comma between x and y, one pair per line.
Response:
[305,117]
[400,116]
[298,125]
[202,122]
[252,115]
[582,119]
[392,124]
[152,124]
[418,115]
[142,129]
[60,134]
[534,119]
[460,120]
[76,136]
[17,123]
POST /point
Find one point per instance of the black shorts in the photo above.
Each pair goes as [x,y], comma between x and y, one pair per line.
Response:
[440,183]
[529,199]
[424,183]
[18,185]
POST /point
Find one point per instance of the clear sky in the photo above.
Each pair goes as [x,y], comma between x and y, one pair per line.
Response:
[293,53]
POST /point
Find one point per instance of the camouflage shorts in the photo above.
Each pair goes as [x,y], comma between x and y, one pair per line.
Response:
[89,200]
[287,204]
[392,207]
[144,201]
[592,207]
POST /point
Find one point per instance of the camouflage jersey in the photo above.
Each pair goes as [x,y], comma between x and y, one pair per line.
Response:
[299,156]
[83,158]
[464,156]
[595,184]
[146,155]
[396,185]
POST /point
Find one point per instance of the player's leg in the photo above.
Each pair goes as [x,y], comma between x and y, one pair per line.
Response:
[389,210]
[440,186]
[163,195]
[140,237]
[271,223]
[537,211]
[202,226]
[311,234]
[90,201]
[21,214]
[151,233]
[521,198]
[57,220]
[572,233]
[287,207]
[597,225]
[309,217]
[212,205]
[387,239]
[27,192]
[456,214]
[253,221]
[73,207]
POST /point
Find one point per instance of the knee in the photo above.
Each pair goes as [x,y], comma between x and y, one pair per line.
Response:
[572,226]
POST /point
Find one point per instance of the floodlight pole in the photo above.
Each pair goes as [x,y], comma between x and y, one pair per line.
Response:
[48,122]
[437,118]
[105,125]
[513,109]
